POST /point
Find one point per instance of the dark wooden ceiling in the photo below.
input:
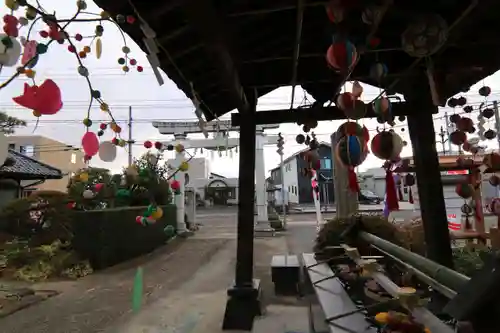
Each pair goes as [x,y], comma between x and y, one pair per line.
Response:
[222,46]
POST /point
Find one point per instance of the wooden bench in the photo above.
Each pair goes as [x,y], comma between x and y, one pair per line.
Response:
[285,274]
[328,299]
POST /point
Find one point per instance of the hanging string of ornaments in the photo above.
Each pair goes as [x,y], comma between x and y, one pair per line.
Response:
[422,38]
[45,99]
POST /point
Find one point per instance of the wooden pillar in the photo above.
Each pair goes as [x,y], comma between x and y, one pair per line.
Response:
[346,201]
[430,187]
[243,303]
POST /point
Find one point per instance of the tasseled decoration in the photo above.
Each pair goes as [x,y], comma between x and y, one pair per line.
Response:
[410,195]
[353,180]
[390,192]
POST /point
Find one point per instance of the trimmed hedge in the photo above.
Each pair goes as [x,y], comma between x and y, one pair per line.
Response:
[110,236]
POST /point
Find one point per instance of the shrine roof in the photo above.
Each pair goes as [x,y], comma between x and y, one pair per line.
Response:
[222,46]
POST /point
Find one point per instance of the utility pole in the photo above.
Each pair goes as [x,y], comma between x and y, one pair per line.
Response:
[130,141]
[282,171]
[497,121]
[444,138]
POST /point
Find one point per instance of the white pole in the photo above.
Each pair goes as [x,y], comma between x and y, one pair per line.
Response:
[179,198]
[260,179]
[283,194]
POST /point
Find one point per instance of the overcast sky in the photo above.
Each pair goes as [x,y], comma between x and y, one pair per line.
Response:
[149,101]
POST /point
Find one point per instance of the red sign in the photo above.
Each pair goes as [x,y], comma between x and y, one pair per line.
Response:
[457,172]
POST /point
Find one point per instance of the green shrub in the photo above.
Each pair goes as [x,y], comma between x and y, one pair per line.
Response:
[330,233]
[110,236]
[30,263]
[41,218]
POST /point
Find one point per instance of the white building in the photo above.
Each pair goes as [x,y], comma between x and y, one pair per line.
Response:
[210,188]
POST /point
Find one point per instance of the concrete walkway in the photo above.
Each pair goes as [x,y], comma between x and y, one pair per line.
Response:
[185,285]
[92,304]
[197,306]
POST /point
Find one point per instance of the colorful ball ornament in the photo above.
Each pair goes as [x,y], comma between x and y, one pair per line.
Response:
[458,137]
[352,128]
[88,194]
[175,185]
[350,151]
[169,230]
[378,71]
[345,101]
[341,55]
[387,145]
[464,190]
[357,111]
[107,151]
[382,107]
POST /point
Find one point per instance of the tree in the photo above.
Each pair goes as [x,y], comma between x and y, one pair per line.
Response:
[9,124]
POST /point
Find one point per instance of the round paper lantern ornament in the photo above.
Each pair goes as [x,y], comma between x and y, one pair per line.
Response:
[382,108]
[88,194]
[387,145]
[90,143]
[352,128]
[107,151]
[350,151]
[157,213]
[464,190]
[4,148]
[378,71]
[175,186]
[424,37]
[341,55]
[358,110]
[458,137]
[495,206]
[10,50]
[345,101]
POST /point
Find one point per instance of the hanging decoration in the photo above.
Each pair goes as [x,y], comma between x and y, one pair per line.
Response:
[391,196]
[464,190]
[387,145]
[350,103]
[351,152]
[425,36]
[341,55]
[378,71]
[382,108]
[107,151]
[152,214]
[45,98]
[335,11]
[90,144]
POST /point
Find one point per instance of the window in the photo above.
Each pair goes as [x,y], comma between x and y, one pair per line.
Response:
[12,146]
[22,150]
[29,151]
[73,158]
[326,164]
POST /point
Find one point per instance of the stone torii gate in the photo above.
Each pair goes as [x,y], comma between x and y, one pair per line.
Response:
[180,131]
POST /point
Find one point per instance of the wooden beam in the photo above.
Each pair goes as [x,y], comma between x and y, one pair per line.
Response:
[207,23]
[317,113]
